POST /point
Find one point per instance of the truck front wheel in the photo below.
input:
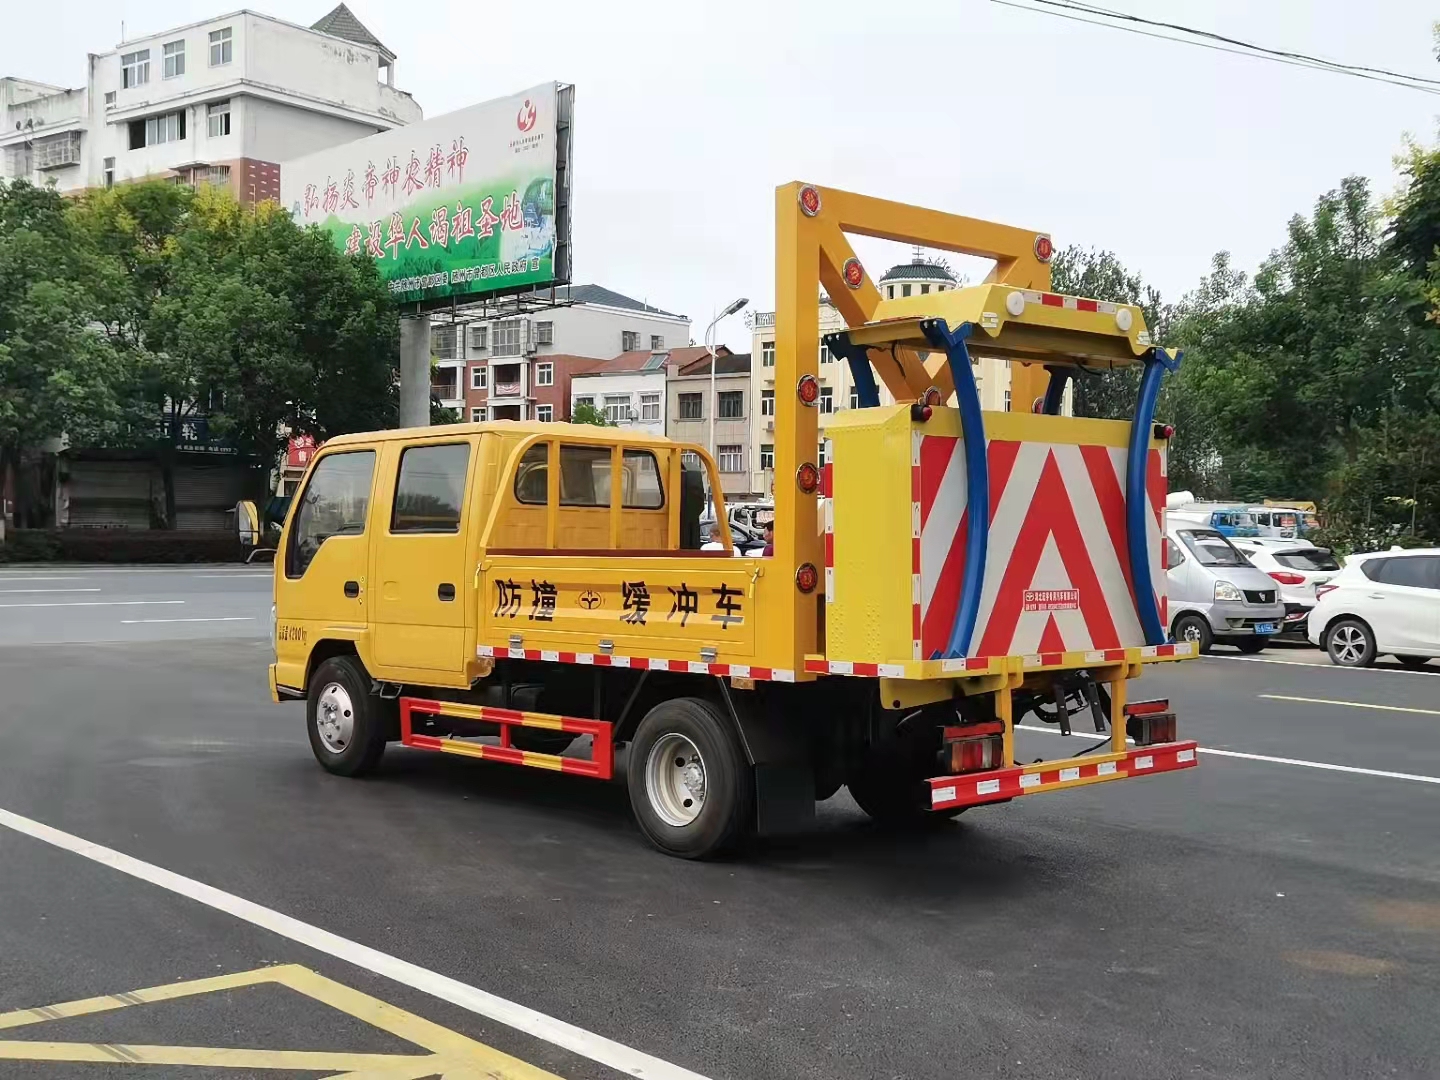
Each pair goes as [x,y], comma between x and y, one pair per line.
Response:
[690,786]
[346,723]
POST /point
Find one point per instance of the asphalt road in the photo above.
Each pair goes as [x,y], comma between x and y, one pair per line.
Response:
[1263,915]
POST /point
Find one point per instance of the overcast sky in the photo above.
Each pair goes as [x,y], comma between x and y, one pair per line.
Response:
[689,114]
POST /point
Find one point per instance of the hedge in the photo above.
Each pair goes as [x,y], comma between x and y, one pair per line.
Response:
[120,546]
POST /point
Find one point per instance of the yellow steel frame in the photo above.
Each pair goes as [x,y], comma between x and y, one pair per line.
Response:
[811,251]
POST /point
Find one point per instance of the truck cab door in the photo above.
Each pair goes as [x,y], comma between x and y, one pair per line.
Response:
[320,577]
[422,583]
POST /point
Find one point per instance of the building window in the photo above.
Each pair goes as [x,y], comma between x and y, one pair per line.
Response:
[109,99]
[731,405]
[767,402]
[890,292]
[629,340]
[443,342]
[220,47]
[172,59]
[617,408]
[767,354]
[587,400]
[649,406]
[825,356]
[479,337]
[507,338]
[135,69]
[217,119]
[477,414]
[109,172]
[820,455]
[691,460]
[827,400]
[731,458]
[904,290]
[657,343]
[545,413]
[854,399]
[692,407]
[478,375]
[156,130]
[544,333]
[1007,400]
[544,373]
[924,290]
[767,455]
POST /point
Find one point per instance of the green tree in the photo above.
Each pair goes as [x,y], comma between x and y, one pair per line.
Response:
[587,413]
[57,375]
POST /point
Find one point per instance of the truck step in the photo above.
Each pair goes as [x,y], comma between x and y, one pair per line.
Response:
[600,765]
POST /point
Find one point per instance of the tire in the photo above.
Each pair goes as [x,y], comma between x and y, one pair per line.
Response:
[1194,628]
[889,786]
[346,723]
[1251,645]
[1350,643]
[691,789]
[1414,663]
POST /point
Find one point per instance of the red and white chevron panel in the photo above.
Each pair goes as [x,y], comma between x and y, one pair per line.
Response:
[1057,577]
[640,663]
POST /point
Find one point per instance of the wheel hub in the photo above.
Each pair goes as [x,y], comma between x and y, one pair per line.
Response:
[335,718]
[1349,644]
[675,779]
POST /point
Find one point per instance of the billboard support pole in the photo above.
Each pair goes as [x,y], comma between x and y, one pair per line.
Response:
[415,371]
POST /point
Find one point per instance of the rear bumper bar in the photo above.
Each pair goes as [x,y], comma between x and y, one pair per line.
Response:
[1001,785]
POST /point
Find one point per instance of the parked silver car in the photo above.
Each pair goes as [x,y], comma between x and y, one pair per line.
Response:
[1216,594]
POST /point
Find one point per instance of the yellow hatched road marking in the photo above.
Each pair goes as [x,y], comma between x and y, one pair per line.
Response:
[1351,704]
[449,1053]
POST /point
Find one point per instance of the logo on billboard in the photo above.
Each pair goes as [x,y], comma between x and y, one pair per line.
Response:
[1052,599]
[525,119]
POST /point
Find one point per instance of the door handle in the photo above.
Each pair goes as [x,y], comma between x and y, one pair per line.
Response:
[1377,596]
[446,591]
[352,589]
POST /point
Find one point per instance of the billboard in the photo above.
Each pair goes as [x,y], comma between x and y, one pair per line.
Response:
[472,203]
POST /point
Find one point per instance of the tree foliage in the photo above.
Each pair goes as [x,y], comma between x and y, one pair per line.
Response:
[587,413]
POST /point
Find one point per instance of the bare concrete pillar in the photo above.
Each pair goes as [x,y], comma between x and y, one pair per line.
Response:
[415,371]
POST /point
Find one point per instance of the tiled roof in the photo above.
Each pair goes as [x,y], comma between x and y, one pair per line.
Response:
[643,360]
[923,271]
[598,294]
[342,23]
[726,363]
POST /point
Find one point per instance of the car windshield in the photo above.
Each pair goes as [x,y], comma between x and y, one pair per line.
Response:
[1212,549]
[1307,560]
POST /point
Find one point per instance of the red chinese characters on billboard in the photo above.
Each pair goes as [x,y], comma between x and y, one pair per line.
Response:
[299,451]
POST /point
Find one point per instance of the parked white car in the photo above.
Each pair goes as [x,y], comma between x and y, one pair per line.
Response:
[1298,567]
[1381,602]
[1215,594]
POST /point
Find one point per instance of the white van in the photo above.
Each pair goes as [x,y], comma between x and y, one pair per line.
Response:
[1216,595]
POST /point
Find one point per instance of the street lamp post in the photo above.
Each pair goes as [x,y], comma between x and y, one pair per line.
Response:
[710,345]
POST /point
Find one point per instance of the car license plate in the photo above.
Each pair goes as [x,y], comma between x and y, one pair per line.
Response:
[1265,628]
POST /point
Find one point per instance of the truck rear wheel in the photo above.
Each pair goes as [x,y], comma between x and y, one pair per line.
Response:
[889,786]
[346,723]
[690,786]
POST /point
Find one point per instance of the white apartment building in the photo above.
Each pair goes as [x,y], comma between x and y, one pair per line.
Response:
[918,277]
[223,101]
[513,358]
[689,407]
[630,390]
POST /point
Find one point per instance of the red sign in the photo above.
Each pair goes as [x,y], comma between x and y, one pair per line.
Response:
[1052,600]
[299,452]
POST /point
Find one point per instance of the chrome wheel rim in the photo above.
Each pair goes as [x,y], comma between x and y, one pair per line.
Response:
[335,718]
[1191,632]
[675,780]
[1348,644]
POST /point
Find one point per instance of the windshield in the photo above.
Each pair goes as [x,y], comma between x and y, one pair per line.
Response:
[1212,549]
[1308,560]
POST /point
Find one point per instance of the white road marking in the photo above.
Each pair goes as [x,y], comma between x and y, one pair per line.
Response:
[94,603]
[217,618]
[556,1032]
[1320,665]
[1351,704]
[11,591]
[1325,765]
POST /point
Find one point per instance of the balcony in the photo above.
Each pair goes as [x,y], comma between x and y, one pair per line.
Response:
[506,389]
[507,380]
[764,318]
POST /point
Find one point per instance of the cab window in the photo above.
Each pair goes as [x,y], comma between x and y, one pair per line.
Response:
[335,503]
[584,475]
[430,489]
[532,477]
[643,489]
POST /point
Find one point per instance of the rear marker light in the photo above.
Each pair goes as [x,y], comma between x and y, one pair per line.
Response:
[1150,722]
[808,389]
[807,478]
[806,578]
[1015,304]
[976,747]
[809,201]
[1164,431]
[1123,320]
[920,413]
[1044,248]
[853,273]
[933,397]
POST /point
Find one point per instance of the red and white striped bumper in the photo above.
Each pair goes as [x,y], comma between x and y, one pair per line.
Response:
[998,785]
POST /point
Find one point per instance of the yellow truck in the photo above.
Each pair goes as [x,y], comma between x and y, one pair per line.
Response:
[536,594]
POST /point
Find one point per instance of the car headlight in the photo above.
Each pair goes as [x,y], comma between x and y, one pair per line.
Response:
[1225,591]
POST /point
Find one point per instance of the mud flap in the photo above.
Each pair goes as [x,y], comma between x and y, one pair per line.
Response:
[784,799]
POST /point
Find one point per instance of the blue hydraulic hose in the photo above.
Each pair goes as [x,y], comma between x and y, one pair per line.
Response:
[1137,501]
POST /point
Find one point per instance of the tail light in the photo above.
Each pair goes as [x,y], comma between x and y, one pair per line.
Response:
[1150,722]
[1321,590]
[1286,578]
[976,747]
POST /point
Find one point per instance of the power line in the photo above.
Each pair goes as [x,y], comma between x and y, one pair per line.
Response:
[1102,17]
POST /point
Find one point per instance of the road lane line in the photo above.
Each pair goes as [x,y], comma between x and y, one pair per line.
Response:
[216,618]
[556,1032]
[11,591]
[1322,666]
[1325,765]
[94,603]
[1351,704]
